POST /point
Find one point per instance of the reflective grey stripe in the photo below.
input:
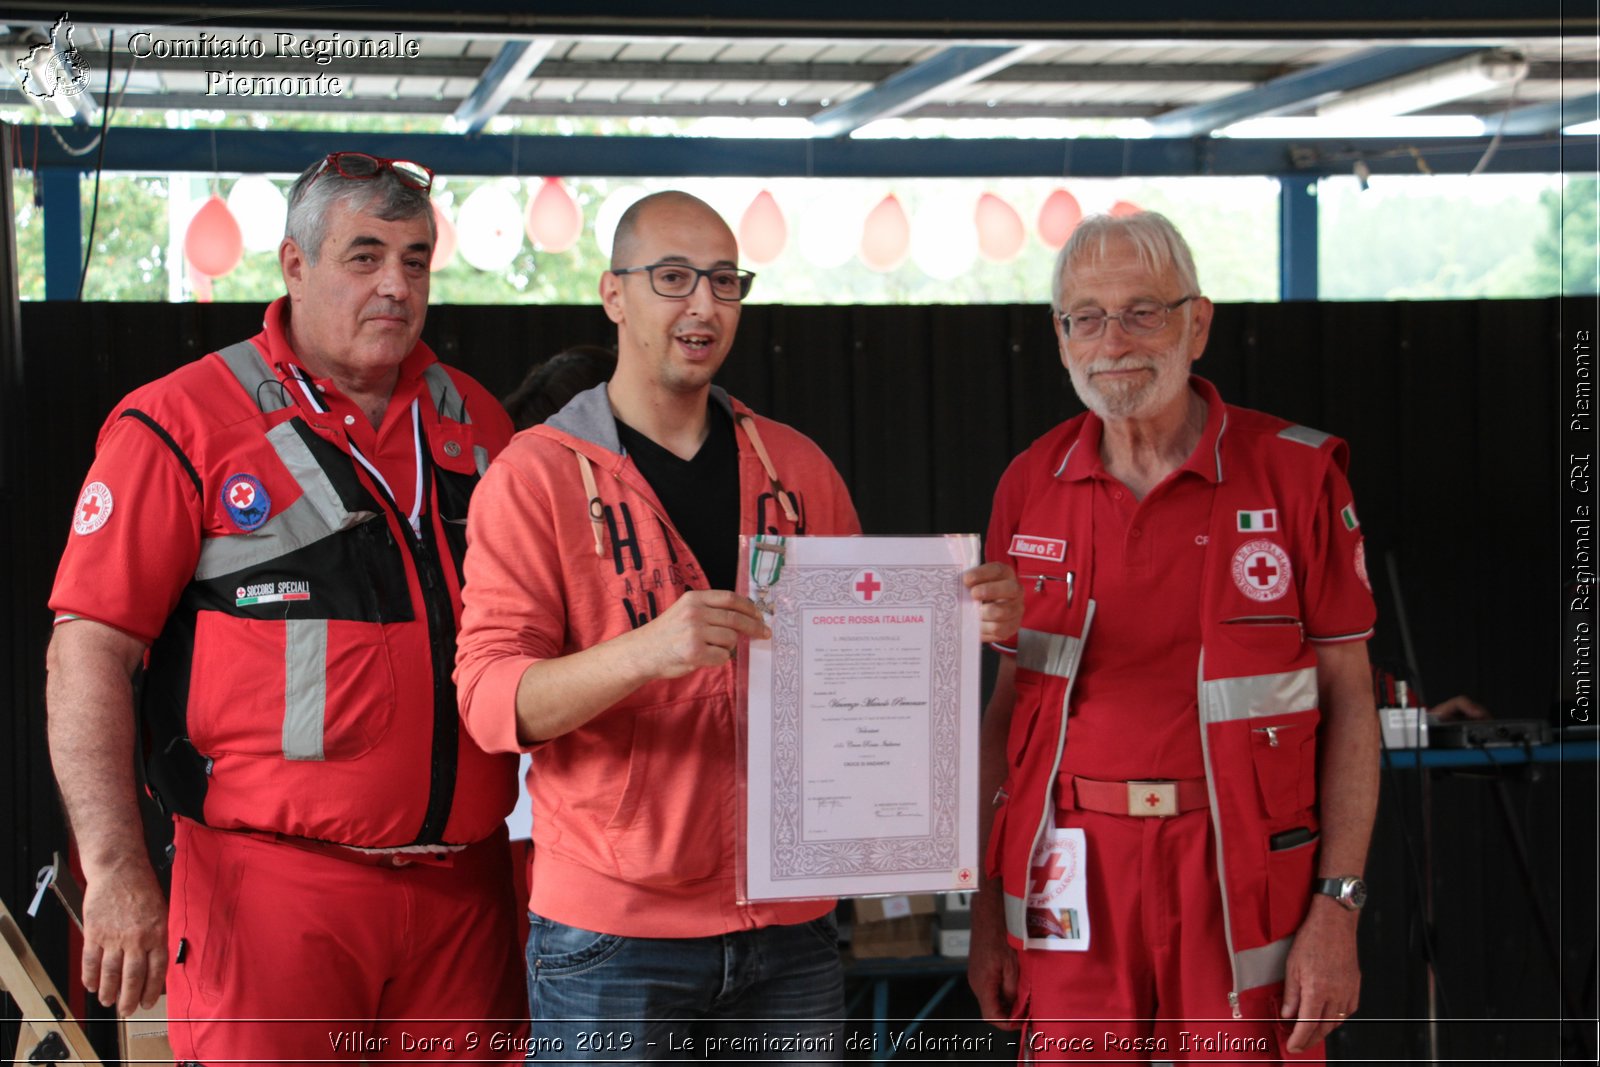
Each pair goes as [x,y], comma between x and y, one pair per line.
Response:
[447,399]
[1017,917]
[1052,654]
[480,456]
[1227,699]
[317,514]
[1264,965]
[1304,435]
[253,372]
[305,687]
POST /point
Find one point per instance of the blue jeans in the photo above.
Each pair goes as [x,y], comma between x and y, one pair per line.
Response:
[776,993]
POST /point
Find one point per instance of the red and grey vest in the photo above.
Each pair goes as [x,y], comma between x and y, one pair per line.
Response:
[1257,691]
[302,685]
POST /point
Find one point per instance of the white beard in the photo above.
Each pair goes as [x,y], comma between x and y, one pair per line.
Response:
[1132,400]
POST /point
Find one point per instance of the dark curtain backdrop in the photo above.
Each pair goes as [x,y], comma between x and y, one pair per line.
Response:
[1450,408]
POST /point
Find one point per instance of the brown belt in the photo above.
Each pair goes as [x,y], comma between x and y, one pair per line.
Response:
[1140,798]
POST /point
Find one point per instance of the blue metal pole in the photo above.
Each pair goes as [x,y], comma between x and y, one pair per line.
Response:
[63,232]
[1297,237]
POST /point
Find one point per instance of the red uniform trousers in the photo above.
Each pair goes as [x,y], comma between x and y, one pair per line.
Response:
[280,954]
[1154,983]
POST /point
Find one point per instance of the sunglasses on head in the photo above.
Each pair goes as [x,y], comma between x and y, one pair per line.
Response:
[359,166]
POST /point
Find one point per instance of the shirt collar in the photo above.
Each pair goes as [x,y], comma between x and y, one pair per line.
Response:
[1083,460]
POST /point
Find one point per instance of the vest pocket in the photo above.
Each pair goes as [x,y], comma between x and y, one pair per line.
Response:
[1284,755]
[298,689]
[1289,872]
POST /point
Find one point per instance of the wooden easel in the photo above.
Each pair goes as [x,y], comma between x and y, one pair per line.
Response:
[49,1032]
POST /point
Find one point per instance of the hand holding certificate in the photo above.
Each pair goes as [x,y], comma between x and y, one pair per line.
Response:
[862,744]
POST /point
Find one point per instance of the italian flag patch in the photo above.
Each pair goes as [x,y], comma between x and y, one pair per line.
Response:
[1348,514]
[1258,521]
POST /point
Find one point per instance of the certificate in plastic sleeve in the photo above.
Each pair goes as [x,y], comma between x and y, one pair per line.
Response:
[860,748]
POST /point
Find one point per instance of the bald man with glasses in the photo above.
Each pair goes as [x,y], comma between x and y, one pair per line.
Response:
[272,537]
[600,635]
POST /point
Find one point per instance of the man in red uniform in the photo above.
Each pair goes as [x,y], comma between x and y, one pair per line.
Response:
[1181,745]
[275,533]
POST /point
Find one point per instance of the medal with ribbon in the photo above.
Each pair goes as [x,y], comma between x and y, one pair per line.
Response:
[766,564]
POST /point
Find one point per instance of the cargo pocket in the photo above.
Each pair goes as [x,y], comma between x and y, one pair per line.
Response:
[1289,872]
[1284,755]
[259,687]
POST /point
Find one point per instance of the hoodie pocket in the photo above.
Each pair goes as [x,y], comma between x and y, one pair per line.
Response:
[672,822]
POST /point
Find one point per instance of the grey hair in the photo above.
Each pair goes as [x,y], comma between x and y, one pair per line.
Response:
[1156,243]
[622,240]
[320,187]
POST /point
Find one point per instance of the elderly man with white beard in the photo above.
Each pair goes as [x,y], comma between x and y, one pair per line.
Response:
[1182,745]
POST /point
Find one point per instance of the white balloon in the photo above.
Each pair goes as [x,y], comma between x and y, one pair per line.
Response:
[489,228]
[261,209]
[610,212]
[830,227]
[944,237]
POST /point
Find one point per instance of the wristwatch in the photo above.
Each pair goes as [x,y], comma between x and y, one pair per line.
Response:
[1349,891]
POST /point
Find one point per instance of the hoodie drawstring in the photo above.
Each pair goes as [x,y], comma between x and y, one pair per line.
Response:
[778,490]
[596,509]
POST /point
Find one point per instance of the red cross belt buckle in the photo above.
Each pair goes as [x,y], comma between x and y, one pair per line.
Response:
[1152,798]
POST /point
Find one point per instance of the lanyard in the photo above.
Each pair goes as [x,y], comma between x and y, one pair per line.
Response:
[415,518]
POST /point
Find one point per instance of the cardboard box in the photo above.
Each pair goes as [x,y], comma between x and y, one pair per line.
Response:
[893,927]
[910,935]
[955,942]
[882,909]
[142,1036]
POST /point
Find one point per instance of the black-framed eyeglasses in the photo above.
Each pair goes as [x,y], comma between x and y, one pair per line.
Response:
[359,167]
[677,280]
[1086,324]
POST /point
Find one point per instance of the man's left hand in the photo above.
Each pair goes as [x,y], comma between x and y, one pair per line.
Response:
[999,595]
[1322,982]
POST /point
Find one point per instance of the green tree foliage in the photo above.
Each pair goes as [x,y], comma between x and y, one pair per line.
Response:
[1434,238]
[1569,249]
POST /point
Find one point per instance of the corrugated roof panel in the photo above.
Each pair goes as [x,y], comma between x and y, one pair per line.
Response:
[746,52]
[595,51]
[696,51]
[798,52]
[645,51]
[554,88]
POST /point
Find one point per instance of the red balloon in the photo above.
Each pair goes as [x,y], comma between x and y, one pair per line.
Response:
[555,222]
[444,246]
[1000,229]
[1058,217]
[213,243]
[763,233]
[885,235]
[1123,208]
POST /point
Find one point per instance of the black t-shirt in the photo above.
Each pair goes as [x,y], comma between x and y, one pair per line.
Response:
[701,495]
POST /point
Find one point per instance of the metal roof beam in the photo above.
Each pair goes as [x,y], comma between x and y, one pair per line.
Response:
[669,70]
[1550,116]
[276,152]
[501,79]
[949,69]
[750,109]
[1304,87]
[953,20]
